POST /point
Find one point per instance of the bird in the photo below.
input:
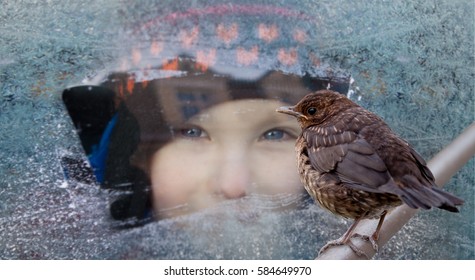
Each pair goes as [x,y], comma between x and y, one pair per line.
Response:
[353,164]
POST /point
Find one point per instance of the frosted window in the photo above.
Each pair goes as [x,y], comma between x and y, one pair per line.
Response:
[411,63]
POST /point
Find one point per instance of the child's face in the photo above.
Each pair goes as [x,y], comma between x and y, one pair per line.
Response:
[229,151]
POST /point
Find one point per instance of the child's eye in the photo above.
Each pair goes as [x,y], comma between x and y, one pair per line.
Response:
[276,135]
[193,132]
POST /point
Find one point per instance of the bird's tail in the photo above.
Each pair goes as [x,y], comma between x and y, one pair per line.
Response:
[416,195]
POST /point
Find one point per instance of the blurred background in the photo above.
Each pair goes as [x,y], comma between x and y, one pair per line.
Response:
[410,62]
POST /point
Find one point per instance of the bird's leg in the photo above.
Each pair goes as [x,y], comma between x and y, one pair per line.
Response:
[345,240]
[375,236]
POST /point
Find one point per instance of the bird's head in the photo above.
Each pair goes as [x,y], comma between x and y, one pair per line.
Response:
[317,107]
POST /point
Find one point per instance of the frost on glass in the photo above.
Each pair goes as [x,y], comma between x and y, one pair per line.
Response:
[411,63]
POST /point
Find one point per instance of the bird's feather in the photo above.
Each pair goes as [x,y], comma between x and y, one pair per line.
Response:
[352,159]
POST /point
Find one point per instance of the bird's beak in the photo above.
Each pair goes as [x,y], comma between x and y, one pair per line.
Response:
[290,110]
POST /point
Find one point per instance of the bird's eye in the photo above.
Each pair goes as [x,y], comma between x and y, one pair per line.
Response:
[312,111]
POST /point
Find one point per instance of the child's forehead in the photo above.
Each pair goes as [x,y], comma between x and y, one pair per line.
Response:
[241,111]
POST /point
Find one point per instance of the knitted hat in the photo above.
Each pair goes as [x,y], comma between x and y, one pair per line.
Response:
[254,36]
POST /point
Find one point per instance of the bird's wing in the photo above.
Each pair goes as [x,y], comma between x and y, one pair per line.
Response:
[422,165]
[350,158]
[422,190]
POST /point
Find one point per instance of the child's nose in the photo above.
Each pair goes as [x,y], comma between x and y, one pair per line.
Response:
[234,177]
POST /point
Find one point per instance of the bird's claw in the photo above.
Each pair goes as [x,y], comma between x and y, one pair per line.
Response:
[339,242]
[371,239]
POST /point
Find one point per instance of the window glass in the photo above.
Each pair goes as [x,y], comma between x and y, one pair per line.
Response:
[147,130]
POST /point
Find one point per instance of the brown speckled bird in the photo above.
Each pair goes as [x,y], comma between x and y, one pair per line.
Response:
[354,165]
